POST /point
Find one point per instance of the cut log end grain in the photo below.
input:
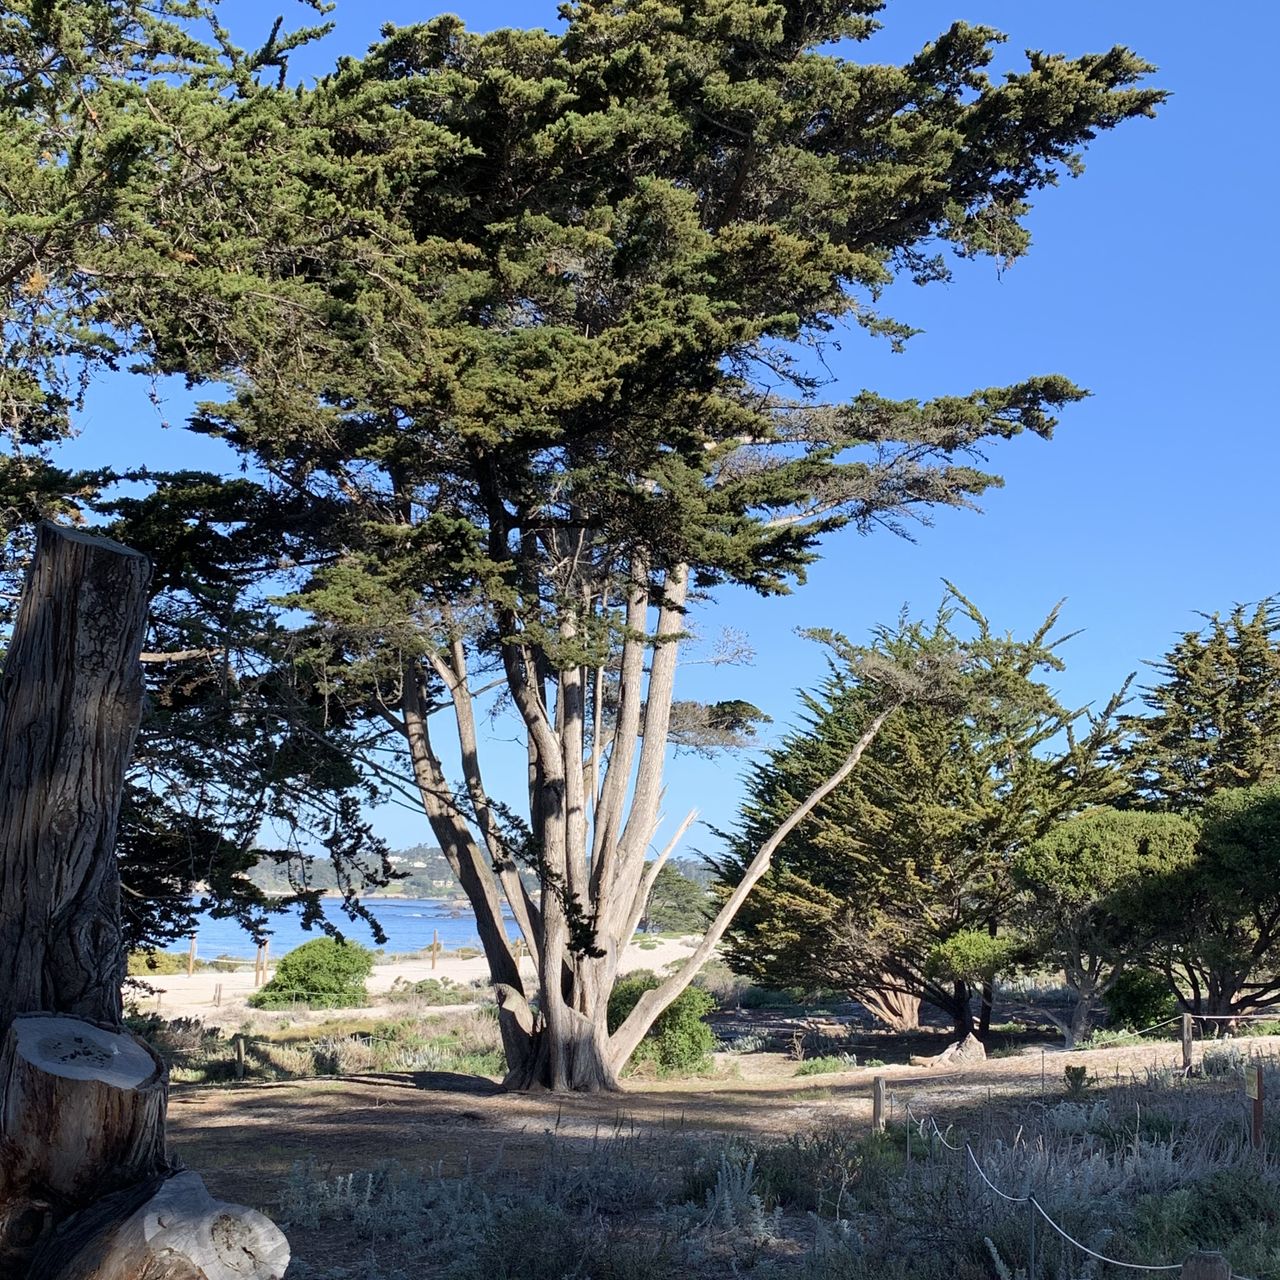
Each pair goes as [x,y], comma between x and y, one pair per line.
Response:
[74,1049]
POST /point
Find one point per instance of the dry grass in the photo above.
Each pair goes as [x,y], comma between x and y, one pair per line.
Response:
[1145,1145]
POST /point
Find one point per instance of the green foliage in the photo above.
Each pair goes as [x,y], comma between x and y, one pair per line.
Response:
[323,973]
[900,877]
[828,1171]
[1076,1080]
[970,956]
[1089,886]
[1213,719]
[1221,920]
[442,991]
[680,1039]
[1139,999]
[677,904]
[827,1064]
[142,963]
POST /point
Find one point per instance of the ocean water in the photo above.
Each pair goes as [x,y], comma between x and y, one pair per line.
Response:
[409,924]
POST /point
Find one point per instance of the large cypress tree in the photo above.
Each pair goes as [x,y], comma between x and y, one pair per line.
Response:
[525,316]
[899,888]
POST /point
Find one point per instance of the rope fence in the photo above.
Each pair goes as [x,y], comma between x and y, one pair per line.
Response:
[1034,1205]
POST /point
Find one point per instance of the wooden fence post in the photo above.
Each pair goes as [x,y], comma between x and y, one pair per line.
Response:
[1186,1041]
[191,956]
[238,1043]
[1255,1091]
[878,1088]
[217,996]
[1206,1266]
[435,946]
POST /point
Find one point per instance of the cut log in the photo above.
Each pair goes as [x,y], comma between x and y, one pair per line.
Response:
[82,1111]
[171,1230]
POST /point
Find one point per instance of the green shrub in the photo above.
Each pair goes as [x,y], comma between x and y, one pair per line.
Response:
[1140,999]
[325,973]
[166,963]
[829,1171]
[679,1040]
[436,991]
[826,1064]
[1259,1027]
[1076,1080]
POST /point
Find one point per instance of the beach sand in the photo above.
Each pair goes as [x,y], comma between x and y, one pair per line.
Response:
[180,996]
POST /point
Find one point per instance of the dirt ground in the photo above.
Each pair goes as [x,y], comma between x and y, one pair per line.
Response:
[244,1139]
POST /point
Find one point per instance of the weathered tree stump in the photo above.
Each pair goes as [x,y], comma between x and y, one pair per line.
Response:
[83,1109]
[168,1230]
[70,705]
[86,1189]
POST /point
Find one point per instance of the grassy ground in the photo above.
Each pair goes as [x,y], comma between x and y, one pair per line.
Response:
[753,1169]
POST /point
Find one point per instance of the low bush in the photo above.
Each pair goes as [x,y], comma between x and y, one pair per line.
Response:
[1259,1027]
[323,973]
[430,991]
[828,1063]
[1139,999]
[679,1040]
[1145,1176]
[751,1042]
[164,963]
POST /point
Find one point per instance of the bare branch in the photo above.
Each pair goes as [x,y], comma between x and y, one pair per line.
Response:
[623,1042]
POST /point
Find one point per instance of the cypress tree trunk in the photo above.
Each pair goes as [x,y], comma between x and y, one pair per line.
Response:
[984,1014]
[897,1009]
[70,704]
[82,1102]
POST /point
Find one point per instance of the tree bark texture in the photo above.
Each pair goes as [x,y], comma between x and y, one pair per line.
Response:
[70,704]
[86,1191]
[899,1010]
[168,1229]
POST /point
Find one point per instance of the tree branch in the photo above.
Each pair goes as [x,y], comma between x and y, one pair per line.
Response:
[623,1042]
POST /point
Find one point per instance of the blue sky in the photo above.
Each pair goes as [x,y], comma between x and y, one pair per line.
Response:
[1149,282]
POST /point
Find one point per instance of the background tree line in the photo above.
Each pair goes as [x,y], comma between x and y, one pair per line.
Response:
[1017,836]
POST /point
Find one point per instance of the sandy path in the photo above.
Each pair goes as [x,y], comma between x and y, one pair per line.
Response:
[179,996]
